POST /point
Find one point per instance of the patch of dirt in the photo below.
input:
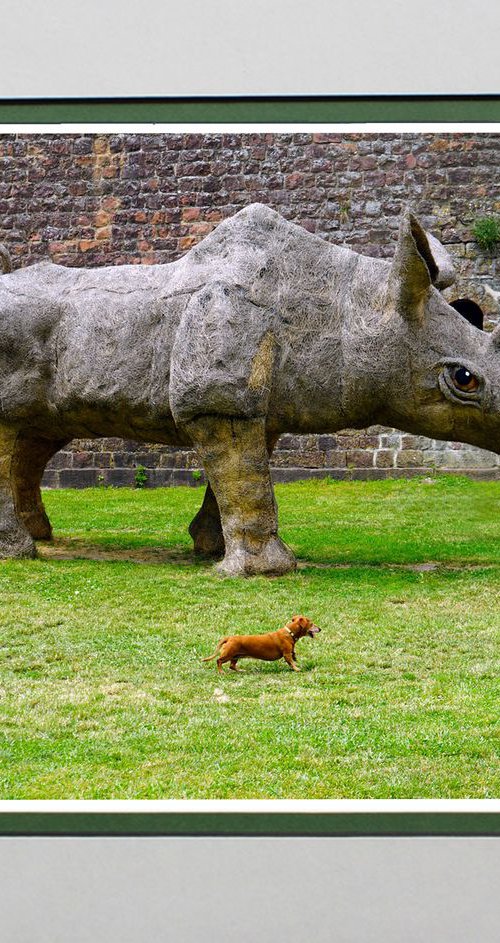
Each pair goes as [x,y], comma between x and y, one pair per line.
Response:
[75,549]
[412,567]
[67,549]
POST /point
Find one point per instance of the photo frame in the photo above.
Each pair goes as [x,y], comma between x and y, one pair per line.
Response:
[468,829]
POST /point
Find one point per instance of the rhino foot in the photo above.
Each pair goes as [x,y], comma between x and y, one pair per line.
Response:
[17,544]
[206,528]
[208,543]
[272,558]
[37,524]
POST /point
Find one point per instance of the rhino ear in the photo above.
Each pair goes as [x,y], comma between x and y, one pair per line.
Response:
[443,261]
[415,267]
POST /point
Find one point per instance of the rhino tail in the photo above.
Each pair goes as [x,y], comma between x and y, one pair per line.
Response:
[5,260]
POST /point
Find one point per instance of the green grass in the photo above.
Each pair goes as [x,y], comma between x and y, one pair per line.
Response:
[103,693]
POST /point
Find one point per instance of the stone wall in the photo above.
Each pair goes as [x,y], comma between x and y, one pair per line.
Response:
[352,454]
[130,198]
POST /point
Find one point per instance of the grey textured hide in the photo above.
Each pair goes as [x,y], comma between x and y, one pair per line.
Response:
[262,328]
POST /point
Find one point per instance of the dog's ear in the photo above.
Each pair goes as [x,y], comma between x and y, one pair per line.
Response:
[303,622]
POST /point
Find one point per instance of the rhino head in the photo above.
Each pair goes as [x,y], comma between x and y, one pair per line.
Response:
[441,375]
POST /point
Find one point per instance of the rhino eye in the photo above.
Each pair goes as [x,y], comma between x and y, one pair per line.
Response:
[459,385]
[464,380]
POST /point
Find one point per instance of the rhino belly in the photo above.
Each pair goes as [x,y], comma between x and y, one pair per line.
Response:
[112,364]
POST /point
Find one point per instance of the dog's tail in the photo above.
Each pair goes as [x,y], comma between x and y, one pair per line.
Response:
[5,260]
[219,645]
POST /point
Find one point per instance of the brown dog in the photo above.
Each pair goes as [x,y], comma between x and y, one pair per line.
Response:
[270,647]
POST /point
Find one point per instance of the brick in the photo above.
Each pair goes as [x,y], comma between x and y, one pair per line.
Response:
[306,474]
[60,460]
[391,440]
[327,442]
[358,458]
[190,213]
[412,458]
[50,479]
[336,458]
[160,478]
[305,459]
[465,459]
[101,145]
[77,477]
[83,459]
[118,477]
[385,458]
[368,441]
[102,218]
[181,476]
[103,459]
[415,442]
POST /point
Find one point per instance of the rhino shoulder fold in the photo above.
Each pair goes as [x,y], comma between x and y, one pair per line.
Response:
[223,355]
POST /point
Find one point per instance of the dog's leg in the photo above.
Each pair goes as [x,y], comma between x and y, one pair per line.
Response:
[15,541]
[206,527]
[234,664]
[28,465]
[234,454]
[289,660]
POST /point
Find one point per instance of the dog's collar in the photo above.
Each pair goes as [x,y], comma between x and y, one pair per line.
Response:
[289,632]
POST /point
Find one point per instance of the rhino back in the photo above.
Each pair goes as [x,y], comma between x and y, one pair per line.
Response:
[100,340]
[96,337]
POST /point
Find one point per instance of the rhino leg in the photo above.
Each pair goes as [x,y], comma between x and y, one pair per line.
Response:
[206,527]
[15,541]
[28,464]
[235,458]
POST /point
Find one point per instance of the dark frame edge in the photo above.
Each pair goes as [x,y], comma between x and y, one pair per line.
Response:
[259,110]
[249,824]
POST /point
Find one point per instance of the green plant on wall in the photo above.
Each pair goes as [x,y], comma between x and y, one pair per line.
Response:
[486,232]
[141,476]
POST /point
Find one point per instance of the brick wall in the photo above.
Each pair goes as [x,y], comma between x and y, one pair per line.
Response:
[115,198]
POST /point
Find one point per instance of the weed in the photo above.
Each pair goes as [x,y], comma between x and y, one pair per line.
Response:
[486,232]
[141,477]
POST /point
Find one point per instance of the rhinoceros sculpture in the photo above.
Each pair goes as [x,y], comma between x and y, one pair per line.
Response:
[261,328]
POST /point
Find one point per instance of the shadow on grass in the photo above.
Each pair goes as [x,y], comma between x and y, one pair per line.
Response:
[255,666]
[74,548]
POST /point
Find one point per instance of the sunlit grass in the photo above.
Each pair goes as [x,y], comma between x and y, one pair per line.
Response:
[103,693]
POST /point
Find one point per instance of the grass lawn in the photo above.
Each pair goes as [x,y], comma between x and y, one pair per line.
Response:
[103,693]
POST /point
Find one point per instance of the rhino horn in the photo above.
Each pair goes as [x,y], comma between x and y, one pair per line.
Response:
[420,261]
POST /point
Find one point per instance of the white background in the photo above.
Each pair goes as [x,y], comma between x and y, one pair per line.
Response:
[248,890]
[239,890]
[101,48]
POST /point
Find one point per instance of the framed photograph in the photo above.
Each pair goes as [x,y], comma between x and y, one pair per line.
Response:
[286,283]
